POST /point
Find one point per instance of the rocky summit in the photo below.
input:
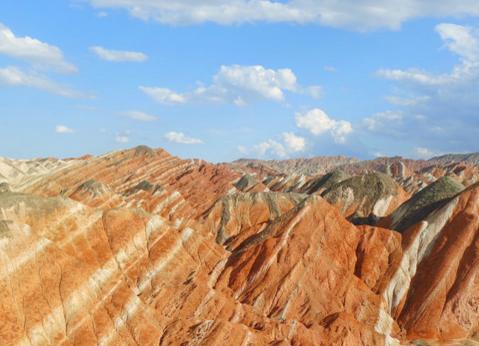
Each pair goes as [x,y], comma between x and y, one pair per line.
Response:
[138,247]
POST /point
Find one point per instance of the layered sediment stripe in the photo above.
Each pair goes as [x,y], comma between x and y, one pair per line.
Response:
[129,310]
[78,302]
[285,235]
[11,264]
[418,248]
[159,264]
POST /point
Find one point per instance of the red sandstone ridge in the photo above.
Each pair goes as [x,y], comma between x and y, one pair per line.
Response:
[138,247]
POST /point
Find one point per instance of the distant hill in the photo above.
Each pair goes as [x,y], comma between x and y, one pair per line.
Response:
[310,166]
[450,158]
[325,164]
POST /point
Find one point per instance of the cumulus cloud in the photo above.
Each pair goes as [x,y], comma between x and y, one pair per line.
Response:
[140,116]
[318,122]
[34,51]
[270,147]
[62,129]
[118,55]
[15,77]
[267,83]
[181,138]
[290,144]
[238,85]
[293,142]
[361,15]
[164,95]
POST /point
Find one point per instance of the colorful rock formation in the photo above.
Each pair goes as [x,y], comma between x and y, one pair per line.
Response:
[138,247]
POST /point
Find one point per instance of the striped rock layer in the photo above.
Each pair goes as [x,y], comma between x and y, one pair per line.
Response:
[138,247]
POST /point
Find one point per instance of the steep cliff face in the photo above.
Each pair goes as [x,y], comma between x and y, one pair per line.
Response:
[434,292]
[423,202]
[138,247]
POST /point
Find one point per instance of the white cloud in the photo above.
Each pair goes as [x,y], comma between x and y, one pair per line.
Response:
[270,146]
[460,40]
[444,112]
[16,77]
[180,137]
[328,68]
[402,101]
[361,15]
[238,84]
[424,153]
[62,129]
[414,75]
[341,131]
[267,83]
[293,142]
[140,116]
[318,122]
[34,51]
[118,55]
[290,144]
[164,95]
[122,137]
[382,119]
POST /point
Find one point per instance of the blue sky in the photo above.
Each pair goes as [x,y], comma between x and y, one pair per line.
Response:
[221,80]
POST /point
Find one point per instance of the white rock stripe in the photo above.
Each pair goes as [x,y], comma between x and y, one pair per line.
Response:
[160,264]
[14,264]
[92,287]
[128,311]
[424,242]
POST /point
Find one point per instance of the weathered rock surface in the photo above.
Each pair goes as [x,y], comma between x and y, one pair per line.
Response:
[138,247]
[433,292]
[370,195]
[313,166]
[323,183]
[423,202]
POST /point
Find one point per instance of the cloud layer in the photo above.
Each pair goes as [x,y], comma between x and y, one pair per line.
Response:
[360,15]
[140,116]
[237,85]
[15,77]
[118,55]
[41,56]
[441,108]
[34,51]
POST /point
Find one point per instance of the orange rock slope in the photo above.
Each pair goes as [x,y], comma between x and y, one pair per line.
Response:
[138,247]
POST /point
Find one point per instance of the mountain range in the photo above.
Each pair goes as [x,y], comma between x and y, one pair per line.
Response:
[139,247]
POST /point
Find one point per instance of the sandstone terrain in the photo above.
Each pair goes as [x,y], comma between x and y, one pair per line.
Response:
[138,247]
